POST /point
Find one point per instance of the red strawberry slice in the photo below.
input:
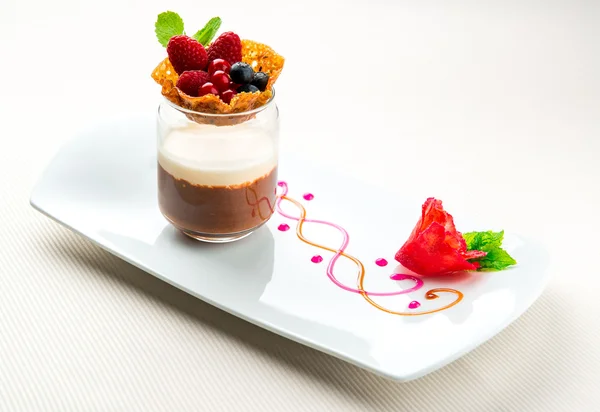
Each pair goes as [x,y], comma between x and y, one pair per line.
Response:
[186,53]
[227,46]
[435,247]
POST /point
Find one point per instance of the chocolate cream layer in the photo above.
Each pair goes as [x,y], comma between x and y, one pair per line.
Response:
[217,180]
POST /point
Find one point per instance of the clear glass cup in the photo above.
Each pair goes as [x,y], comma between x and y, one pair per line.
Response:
[217,173]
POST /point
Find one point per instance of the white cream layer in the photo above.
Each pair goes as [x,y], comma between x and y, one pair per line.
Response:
[218,156]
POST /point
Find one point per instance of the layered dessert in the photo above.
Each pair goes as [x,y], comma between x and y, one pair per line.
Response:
[217,130]
[217,180]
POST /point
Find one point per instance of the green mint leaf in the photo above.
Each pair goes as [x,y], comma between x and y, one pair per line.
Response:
[207,33]
[490,242]
[485,241]
[496,259]
[168,24]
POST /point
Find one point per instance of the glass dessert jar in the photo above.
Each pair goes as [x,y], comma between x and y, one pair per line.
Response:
[217,173]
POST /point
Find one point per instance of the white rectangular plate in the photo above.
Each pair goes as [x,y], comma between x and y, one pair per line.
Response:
[102,185]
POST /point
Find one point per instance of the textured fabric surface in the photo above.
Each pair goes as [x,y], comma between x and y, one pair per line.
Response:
[508,90]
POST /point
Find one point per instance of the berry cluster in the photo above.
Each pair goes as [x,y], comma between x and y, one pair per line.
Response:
[218,70]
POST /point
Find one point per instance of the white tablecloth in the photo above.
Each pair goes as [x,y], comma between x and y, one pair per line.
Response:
[492,106]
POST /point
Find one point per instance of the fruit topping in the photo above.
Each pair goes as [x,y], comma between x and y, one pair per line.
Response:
[435,247]
[261,79]
[241,73]
[221,80]
[219,64]
[198,75]
[208,88]
[227,95]
[186,53]
[190,81]
[248,88]
[227,46]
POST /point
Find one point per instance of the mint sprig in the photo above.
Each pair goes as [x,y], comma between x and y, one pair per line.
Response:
[490,242]
[485,241]
[168,24]
[496,259]
[207,33]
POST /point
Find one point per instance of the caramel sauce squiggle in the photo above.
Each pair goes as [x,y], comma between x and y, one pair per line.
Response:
[429,295]
[257,202]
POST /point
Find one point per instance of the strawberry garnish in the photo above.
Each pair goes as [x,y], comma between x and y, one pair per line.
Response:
[435,246]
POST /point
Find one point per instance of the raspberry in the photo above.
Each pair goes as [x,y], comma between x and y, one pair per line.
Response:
[227,46]
[186,53]
[190,81]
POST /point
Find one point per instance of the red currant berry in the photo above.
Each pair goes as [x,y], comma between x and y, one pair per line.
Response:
[227,95]
[208,88]
[219,64]
[220,79]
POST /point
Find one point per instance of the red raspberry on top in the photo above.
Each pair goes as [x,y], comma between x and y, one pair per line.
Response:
[227,46]
[190,81]
[186,53]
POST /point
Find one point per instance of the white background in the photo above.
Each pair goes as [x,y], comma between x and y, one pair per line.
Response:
[492,106]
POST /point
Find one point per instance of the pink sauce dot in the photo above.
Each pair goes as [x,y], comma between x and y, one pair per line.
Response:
[316,259]
[308,196]
[281,183]
[381,262]
[283,227]
[414,304]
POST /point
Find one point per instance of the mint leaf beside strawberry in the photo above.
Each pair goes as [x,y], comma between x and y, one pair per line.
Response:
[483,240]
[435,247]
[168,24]
[207,33]
[489,242]
[496,259]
